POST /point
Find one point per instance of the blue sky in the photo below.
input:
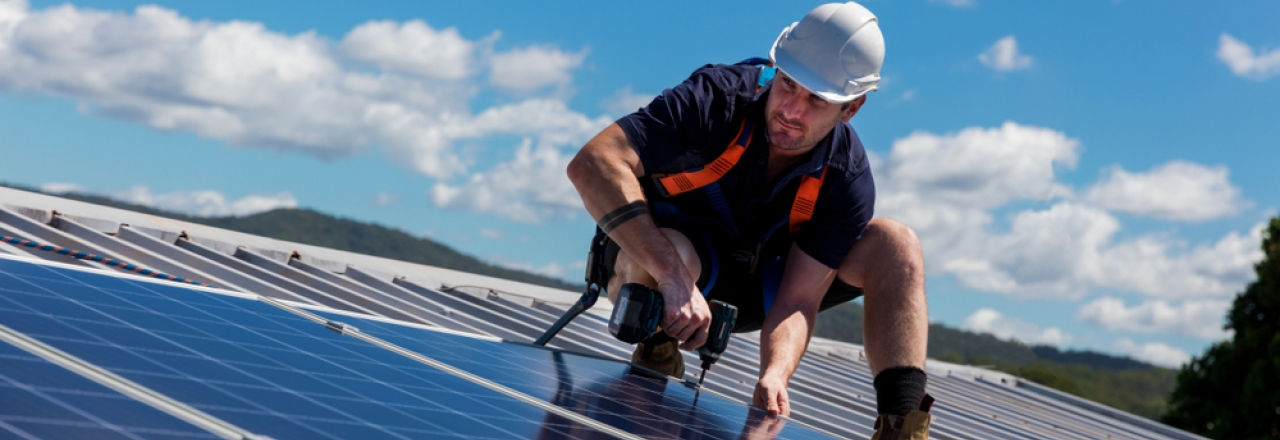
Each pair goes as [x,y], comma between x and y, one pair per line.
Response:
[1084,174]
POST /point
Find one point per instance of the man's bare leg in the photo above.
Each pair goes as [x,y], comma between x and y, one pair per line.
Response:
[888,264]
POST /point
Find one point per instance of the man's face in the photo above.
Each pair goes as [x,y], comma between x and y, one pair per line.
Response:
[797,119]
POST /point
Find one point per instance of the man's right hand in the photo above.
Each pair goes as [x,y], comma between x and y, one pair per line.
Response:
[685,315]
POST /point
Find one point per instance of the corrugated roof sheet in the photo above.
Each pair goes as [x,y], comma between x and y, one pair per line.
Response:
[831,389]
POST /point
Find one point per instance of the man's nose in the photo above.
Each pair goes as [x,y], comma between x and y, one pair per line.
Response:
[792,107]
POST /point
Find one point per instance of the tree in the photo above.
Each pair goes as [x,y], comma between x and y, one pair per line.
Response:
[1233,390]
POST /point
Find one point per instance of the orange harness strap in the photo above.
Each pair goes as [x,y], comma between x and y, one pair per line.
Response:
[671,185]
[680,183]
[806,199]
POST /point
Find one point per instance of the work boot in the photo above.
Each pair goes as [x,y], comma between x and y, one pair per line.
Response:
[913,426]
[662,356]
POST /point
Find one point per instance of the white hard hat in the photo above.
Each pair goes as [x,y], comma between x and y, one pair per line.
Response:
[836,51]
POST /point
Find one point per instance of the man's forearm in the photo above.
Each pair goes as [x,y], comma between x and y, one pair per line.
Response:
[783,340]
[605,175]
[789,324]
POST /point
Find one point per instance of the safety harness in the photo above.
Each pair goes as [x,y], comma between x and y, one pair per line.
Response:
[705,178]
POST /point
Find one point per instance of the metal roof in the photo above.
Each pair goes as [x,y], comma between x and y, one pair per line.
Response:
[831,389]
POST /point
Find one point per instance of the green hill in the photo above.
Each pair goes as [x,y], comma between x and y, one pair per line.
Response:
[319,229]
[1122,383]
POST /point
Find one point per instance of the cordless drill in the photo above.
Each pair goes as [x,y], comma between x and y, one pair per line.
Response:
[638,311]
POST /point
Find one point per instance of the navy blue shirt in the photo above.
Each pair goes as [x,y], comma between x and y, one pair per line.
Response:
[690,125]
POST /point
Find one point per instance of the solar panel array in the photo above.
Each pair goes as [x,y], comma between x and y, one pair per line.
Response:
[305,342]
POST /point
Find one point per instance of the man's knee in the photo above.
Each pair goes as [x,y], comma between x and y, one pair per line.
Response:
[885,242]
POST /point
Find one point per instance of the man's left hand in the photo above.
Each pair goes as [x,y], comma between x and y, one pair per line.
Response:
[771,395]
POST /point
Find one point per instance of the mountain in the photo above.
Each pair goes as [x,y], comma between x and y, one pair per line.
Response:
[319,229]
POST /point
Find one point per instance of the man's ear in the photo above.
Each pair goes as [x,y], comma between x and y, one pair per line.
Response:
[853,108]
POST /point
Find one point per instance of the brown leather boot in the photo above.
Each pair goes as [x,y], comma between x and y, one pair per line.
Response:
[913,426]
[661,356]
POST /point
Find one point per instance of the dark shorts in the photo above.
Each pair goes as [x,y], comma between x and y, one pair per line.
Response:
[751,288]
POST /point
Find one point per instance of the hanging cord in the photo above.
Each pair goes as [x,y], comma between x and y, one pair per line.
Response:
[98,258]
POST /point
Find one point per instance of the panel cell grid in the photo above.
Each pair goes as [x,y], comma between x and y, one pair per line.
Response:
[604,390]
[39,399]
[254,365]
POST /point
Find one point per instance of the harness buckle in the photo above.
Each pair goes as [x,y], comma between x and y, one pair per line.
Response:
[751,257]
[657,183]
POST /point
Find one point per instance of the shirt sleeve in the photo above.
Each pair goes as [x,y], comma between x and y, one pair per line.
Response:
[841,215]
[680,122]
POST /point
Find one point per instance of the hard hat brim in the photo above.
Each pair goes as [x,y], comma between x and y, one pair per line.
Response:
[807,78]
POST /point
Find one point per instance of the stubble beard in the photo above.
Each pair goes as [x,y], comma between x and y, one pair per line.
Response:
[785,140]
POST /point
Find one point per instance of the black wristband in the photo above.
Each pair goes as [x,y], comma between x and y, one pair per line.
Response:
[899,390]
[622,215]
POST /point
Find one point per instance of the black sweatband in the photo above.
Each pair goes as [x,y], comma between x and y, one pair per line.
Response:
[621,215]
[899,390]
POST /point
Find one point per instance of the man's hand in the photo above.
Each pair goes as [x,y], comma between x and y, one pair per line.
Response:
[771,395]
[685,315]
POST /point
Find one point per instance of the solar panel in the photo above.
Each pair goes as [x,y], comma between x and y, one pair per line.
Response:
[254,365]
[603,390]
[274,373]
[39,399]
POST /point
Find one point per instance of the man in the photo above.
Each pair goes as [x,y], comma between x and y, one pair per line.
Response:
[758,193]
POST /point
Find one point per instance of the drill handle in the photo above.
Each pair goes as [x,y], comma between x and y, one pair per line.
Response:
[723,318]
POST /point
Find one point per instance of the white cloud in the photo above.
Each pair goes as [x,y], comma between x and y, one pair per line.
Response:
[532,188]
[624,102]
[412,48]
[245,84]
[981,167]
[385,199]
[61,187]
[1045,253]
[1154,353]
[947,187]
[991,321]
[197,203]
[490,233]
[1202,319]
[532,68]
[1244,62]
[1003,56]
[1177,190]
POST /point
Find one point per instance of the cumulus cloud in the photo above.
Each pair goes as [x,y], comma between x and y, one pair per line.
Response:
[412,48]
[196,203]
[625,101]
[1245,62]
[1003,327]
[1202,319]
[1004,56]
[402,88]
[948,186]
[1177,190]
[532,68]
[982,167]
[1154,353]
[532,188]
[490,233]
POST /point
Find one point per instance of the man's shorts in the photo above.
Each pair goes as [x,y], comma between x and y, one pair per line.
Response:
[727,278]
